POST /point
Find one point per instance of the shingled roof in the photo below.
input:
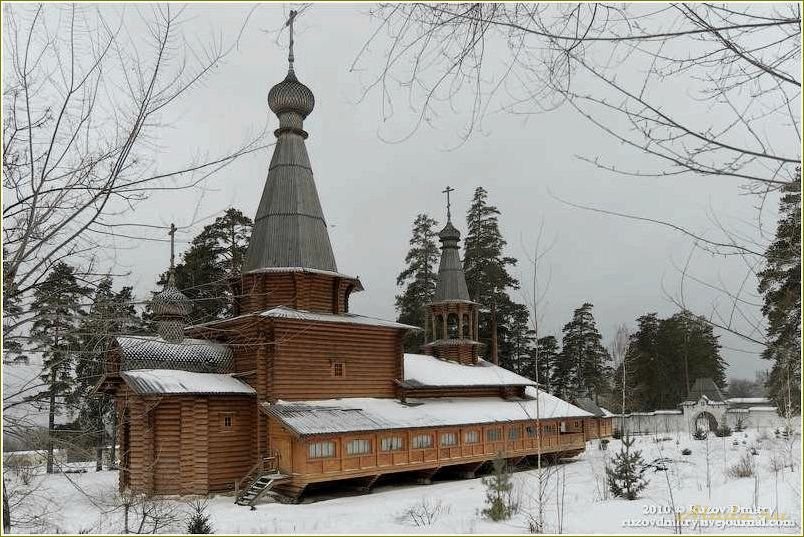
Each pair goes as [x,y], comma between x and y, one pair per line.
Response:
[289,228]
[148,352]
[705,386]
[451,284]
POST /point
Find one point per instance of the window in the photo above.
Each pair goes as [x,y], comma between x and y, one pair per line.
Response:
[422,441]
[471,437]
[393,443]
[360,446]
[493,435]
[338,369]
[227,421]
[321,450]
[449,439]
[563,428]
[513,433]
[530,431]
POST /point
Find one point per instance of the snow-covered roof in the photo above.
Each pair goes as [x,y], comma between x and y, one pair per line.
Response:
[331,416]
[282,312]
[149,352]
[606,412]
[590,406]
[747,400]
[174,382]
[422,370]
[762,408]
[308,271]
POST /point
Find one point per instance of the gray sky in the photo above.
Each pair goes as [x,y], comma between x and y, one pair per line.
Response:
[371,190]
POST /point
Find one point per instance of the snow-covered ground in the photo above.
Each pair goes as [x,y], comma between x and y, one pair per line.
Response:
[88,502]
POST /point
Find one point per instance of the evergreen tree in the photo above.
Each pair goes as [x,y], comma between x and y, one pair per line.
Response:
[626,474]
[214,256]
[586,371]
[488,280]
[780,286]
[500,503]
[418,279]
[198,523]
[548,360]
[519,341]
[110,314]
[57,315]
[665,357]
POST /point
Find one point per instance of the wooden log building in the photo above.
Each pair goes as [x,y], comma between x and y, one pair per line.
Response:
[294,389]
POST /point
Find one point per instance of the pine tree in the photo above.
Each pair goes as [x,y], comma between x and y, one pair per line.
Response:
[110,314]
[548,359]
[488,280]
[500,503]
[214,256]
[780,286]
[418,279]
[584,368]
[626,474]
[57,314]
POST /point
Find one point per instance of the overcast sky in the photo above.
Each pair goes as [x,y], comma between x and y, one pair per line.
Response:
[371,190]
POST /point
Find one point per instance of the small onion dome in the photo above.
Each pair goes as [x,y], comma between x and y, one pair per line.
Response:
[290,95]
[170,302]
[449,232]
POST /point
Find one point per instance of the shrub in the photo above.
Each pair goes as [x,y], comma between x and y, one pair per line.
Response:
[616,434]
[198,523]
[626,474]
[500,504]
[723,430]
[686,451]
[424,512]
[699,434]
[745,467]
[739,426]
[603,444]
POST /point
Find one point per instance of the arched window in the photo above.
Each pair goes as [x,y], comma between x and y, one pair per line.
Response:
[439,327]
[467,326]
[452,325]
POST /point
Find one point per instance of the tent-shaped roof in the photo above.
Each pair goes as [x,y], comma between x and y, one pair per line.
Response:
[705,386]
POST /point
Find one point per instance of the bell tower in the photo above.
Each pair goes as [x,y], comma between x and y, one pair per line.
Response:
[452,317]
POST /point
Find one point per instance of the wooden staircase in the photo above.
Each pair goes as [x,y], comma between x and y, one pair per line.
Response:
[258,481]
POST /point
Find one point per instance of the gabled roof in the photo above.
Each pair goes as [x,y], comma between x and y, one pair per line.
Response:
[282,312]
[705,386]
[174,382]
[149,352]
[590,406]
[332,416]
[422,370]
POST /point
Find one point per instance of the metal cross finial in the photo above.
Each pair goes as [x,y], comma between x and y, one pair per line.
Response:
[289,24]
[447,191]
[172,234]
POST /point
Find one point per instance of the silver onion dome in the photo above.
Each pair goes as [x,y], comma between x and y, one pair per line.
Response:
[170,302]
[290,95]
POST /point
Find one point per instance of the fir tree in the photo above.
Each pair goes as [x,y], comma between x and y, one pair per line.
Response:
[665,356]
[780,286]
[199,523]
[626,474]
[57,315]
[500,503]
[418,279]
[214,256]
[584,358]
[488,280]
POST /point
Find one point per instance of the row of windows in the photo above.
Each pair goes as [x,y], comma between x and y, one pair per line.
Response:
[361,446]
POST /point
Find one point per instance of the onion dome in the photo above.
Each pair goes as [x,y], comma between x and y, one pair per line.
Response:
[290,95]
[170,301]
[449,233]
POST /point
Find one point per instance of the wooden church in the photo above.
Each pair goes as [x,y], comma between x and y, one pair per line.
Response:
[294,389]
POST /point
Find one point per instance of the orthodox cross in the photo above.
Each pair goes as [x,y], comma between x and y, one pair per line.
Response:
[172,234]
[447,191]
[289,24]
